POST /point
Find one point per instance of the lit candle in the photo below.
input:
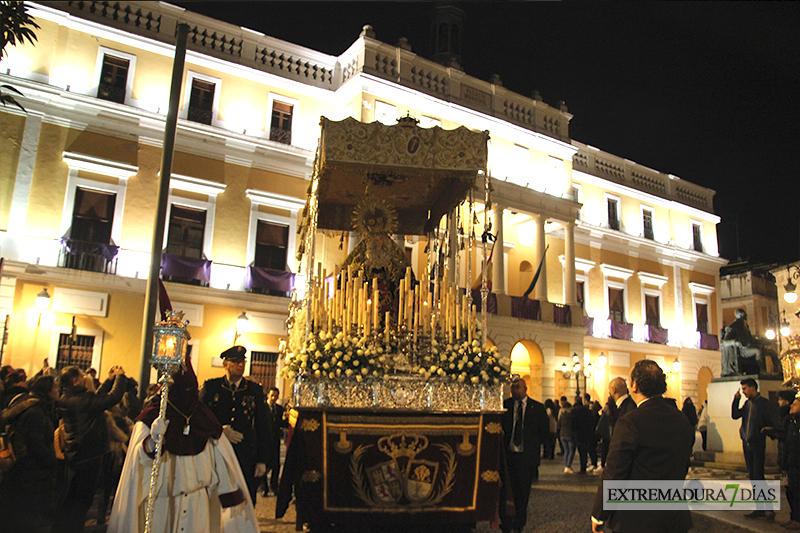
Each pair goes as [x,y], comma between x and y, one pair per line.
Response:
[386,329]
[376,306]
[401,307]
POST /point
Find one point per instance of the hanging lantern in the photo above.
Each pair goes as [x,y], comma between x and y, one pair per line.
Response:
[171,336]
[790,362]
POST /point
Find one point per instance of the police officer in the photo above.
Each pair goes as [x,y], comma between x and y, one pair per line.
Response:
[238,404]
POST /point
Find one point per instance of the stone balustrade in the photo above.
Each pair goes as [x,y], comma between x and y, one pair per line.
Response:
[252,49]
[625,172]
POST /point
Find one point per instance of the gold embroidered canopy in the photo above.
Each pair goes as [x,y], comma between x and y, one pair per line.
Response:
[422,172]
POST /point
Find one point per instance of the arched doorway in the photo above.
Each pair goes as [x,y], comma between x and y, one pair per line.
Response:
[527,361]
[704,376]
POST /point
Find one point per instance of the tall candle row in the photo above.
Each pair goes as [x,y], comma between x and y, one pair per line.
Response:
[352,304]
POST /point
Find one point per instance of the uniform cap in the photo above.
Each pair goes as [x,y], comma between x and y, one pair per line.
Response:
[234,353]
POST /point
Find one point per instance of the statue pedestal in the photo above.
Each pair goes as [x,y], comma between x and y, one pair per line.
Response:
[723,431]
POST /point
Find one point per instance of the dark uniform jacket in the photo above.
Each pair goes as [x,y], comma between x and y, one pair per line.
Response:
[244,409]
[653,441]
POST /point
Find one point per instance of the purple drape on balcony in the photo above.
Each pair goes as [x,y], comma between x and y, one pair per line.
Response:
[657,335]
[708,341]
[73,247]
[523,307]
[562,314]
[621,330]
[266,278]
[185,267]
[588,323]
[491,302]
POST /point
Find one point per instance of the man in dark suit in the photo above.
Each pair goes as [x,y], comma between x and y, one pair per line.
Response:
[757,420]
[525,428]
[623,403]
[653,441]
[278,424]
[238,404]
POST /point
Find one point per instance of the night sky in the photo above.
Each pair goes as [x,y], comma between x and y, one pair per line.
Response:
[706,91]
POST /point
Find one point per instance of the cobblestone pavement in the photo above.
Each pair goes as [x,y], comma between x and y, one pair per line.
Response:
[561,503]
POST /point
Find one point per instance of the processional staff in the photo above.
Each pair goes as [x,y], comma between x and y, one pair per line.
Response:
[169,348]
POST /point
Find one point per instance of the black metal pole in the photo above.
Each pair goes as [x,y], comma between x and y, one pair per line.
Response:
[151,294]
[577,384]
[71,342]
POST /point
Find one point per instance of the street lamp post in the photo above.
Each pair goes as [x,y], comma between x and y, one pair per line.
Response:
[781,328]
[578,371]
[792,274]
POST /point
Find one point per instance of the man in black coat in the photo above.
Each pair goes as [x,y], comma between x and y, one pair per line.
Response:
[525,428]
[651,442]
[238,404]
[757,420]
[278,423]
[86,439]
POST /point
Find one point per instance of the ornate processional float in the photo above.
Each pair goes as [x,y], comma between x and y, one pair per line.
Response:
[399,393]
[371,334]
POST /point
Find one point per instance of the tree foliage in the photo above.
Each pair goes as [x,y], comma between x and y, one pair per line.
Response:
[17,27]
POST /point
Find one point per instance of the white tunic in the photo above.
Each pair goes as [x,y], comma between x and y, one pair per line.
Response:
[188,490]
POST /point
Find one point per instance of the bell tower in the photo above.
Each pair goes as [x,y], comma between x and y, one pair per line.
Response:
[448,35]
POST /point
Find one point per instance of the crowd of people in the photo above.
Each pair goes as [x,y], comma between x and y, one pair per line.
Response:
[79,443]
[641,435]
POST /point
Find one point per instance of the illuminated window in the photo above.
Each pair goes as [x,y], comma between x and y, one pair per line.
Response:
[264,368]
[616,304]
[281,125]
[580,293]
[113,79]
[93,216]
[186,232]
[647,224]
[652,311]
[201,101]
[612,207]
[697,236]
[272,241]
[79,352]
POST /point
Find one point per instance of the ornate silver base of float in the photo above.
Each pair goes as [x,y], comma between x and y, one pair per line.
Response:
[406,392]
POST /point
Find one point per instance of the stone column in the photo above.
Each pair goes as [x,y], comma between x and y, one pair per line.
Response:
[498,258]
[452,231]
[352,240]
[540,291]
[570,288]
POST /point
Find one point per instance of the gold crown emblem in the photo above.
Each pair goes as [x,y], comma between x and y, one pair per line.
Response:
[402,445]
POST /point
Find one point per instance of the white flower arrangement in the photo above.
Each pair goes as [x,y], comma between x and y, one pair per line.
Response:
[329,357]
[466,362]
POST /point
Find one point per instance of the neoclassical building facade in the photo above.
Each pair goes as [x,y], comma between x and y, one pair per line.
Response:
[630,268]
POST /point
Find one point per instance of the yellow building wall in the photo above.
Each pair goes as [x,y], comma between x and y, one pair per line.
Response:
[11,131]
[49,182]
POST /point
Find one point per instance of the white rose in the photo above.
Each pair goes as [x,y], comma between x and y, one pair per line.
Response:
[364,371]
[355,362]
[348,372]
[359,379]
[474,379]
[317,374]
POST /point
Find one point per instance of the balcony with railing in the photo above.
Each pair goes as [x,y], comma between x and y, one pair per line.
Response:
[89,256]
